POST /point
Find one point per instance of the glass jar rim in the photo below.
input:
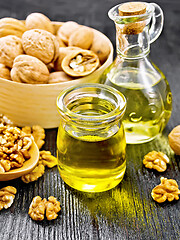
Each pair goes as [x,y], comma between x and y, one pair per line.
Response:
[113,115]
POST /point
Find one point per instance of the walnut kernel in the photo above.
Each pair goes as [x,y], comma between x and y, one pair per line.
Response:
[52,208]
[156,160]
[37,208]
[7,195]
[36,173]
[47,159]
[167,190]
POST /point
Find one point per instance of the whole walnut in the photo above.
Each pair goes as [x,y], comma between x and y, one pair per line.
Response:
[174,139]
[81,37]
[39,21]
[66,30]
[59,76]
[11,26]
[10,48]
[4,72]
[41,44]
[29,69]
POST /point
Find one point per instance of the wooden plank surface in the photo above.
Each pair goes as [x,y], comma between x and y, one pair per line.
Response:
[127,211]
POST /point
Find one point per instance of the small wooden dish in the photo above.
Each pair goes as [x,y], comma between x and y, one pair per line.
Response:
[27,167]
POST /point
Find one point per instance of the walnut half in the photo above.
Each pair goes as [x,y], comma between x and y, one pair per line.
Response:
[167,190]
[156,160]
[7,195]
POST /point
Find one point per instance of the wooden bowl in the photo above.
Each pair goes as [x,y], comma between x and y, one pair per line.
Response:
[27,167]
[27,104]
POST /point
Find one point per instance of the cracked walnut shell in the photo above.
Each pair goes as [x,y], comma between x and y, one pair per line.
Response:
[156,160]
[7,195]
[39,21]
[10,48]
[11,26]
[37,208]
[29,69]
[80,63]
[41,44]
[174,139]
[167,190]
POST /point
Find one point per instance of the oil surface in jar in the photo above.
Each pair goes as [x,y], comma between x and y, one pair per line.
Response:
[91,160]
[149,103]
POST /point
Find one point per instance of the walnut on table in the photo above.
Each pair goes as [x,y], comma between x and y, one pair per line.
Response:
[167,190]
[7,195]
[36,173]
[47,159]
[52,208]
[156,160]
[38,207]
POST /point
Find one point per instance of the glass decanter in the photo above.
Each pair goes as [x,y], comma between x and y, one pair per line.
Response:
[149,99]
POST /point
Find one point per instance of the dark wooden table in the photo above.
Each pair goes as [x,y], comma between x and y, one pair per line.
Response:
[127,211]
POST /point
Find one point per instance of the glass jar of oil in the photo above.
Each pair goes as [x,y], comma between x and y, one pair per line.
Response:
[148,95]
[91,141]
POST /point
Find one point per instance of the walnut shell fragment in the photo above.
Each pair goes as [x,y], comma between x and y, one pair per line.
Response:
[29,69]
[7,195]
[80,63]
[82,38]
[166,190]
[41,44]
[39,21]
[10,48]
[156,160]
[11,26]
[174,139]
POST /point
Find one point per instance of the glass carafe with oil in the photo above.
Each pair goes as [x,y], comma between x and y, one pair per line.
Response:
[91,141]
[149,99]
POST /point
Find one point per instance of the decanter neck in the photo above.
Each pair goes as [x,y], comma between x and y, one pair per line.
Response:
[134,45]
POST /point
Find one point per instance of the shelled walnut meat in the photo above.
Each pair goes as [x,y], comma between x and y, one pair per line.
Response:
[7,195]
[14,148]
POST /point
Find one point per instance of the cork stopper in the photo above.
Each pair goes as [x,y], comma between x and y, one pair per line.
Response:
[132,8]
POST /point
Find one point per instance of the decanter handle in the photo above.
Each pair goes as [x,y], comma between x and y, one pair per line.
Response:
[157,23]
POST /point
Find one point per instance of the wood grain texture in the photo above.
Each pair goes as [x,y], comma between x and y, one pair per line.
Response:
[126,212]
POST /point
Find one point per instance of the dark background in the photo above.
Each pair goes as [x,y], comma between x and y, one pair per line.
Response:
[127,211]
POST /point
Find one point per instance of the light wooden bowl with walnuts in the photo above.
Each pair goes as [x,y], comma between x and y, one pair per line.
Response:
[30,83]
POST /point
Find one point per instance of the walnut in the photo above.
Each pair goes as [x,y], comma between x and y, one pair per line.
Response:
[156,160]
[14,146]
[37,208]
[174,139]
[41,44]
[47,159]
[37,132]
[39,21]
[10,48]
[7,195]
[100,46]
[37,172]
[167,190]
[11,26]
[81,37]
[4,72]
[29,69]
[63,52]
[57,77]
[80,63]
[52,208]
[66,30]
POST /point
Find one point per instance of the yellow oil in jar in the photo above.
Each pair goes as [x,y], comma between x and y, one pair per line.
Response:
[90,160]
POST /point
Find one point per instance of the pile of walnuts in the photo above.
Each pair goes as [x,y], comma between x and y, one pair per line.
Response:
[38,51]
